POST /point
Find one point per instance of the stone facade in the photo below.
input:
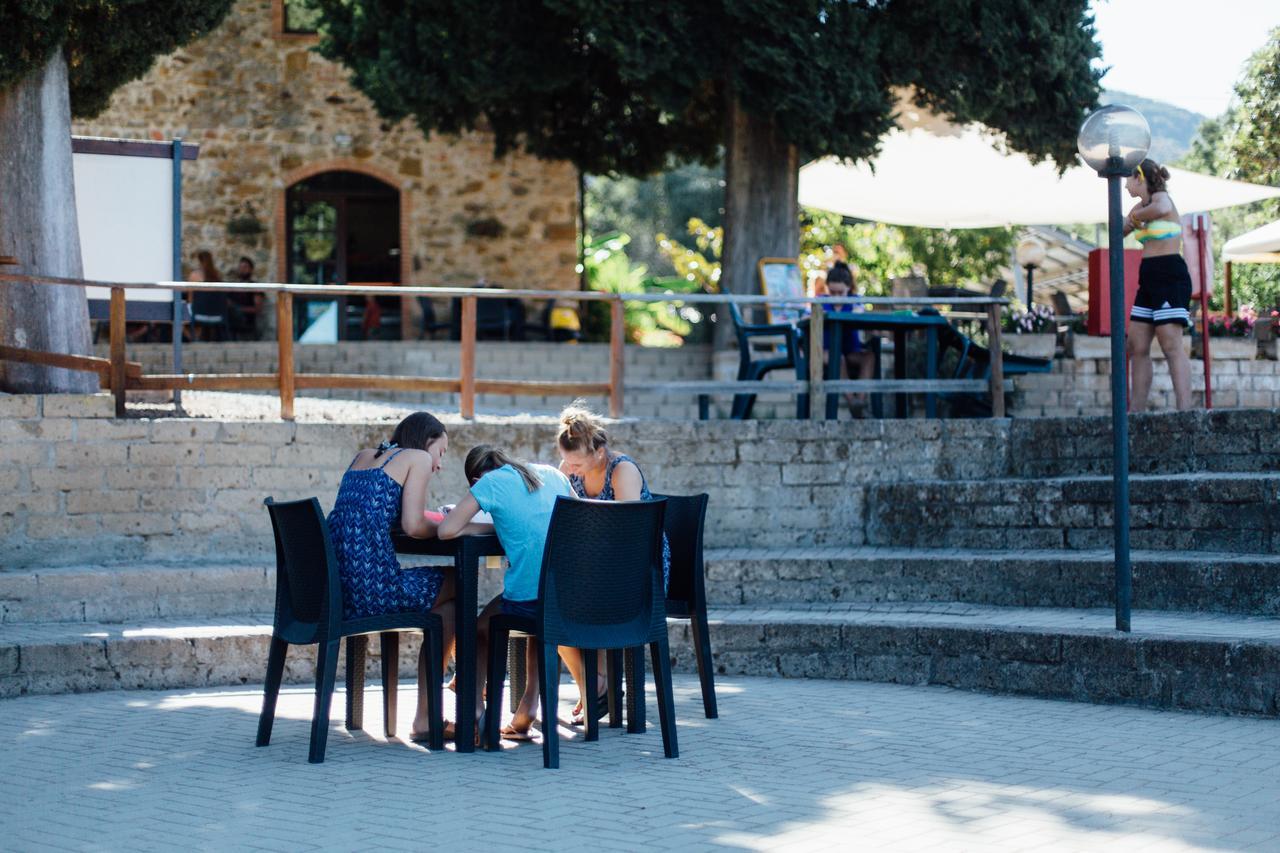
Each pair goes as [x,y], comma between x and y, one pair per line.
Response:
[267,112]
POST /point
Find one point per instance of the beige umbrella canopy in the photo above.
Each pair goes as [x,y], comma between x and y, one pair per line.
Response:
[1259,246]
[935,174]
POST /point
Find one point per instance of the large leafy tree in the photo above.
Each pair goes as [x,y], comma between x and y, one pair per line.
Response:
[60,58]
[624,85]
[1244,144]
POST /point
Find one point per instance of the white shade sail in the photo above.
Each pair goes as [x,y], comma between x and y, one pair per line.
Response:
[942,176]
[1259,246]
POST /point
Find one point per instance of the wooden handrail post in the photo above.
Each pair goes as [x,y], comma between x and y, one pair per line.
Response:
[284,341]
[467,367]
[817,400]
[617,356]
[997,361]
[116,330]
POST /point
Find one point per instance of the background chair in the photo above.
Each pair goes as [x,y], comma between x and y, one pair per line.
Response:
[309,612]
[686,590]
[496,319]
[430,324]
[749,366]
[582,607]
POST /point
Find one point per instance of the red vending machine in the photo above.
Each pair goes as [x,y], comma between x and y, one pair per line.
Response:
[1100,288]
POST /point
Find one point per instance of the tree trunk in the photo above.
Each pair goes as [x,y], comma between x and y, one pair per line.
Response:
[762,215]
[38,227]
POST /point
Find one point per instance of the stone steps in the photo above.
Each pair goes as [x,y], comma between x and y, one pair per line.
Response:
[1246,584]
[1185,661]
[1237,512]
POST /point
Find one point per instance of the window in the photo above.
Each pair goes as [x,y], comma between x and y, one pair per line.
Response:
[299,18]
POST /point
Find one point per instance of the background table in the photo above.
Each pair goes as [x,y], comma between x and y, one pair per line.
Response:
[900,323]
[466,552]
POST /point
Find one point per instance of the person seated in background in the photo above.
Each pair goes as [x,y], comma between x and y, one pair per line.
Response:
[858,360]
[208,307]
[245,308]
[520,497]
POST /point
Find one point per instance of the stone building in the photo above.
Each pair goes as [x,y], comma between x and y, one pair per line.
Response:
[297,172]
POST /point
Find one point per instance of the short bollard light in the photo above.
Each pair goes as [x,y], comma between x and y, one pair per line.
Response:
[1112,142]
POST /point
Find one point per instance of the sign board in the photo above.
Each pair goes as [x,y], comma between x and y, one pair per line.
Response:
[124,207]
[781,277]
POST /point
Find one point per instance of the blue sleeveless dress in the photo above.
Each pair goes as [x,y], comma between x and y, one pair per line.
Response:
[606,494]
[373,584]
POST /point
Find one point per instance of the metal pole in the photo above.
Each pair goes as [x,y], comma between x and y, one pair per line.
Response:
[1119,407]
[177,263]
[1031,271]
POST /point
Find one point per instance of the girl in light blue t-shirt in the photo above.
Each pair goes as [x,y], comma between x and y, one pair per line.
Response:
[520,497]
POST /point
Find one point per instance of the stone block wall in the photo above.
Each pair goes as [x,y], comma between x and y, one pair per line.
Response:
[1082,386]
[267,111]
[80,487]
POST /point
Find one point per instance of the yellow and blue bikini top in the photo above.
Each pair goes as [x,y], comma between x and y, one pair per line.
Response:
[1158,229]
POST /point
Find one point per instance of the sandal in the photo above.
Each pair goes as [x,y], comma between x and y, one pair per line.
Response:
[512,733]
[602,709]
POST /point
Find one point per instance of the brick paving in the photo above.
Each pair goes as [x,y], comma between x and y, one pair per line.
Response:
[790,765]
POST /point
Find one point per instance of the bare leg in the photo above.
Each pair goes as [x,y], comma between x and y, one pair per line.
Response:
[1170,337]
[444,609]
[1139,349]
[573,660]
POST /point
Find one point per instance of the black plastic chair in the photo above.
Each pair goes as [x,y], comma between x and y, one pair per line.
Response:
[584,606]
[686,588]
[309,611]
[751,368]
[430,325]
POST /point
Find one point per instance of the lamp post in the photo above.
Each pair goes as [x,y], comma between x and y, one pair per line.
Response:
[1112,142]
[1030,255]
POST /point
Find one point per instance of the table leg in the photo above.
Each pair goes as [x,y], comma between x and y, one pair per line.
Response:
[466,568]
[835,358]
[931,371]
[900,370]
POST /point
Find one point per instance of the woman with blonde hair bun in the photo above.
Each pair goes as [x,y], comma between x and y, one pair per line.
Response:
[598,473]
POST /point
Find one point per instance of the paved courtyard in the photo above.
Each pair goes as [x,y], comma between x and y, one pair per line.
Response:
[790,765]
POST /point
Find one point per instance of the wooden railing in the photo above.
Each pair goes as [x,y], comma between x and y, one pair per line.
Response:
[121,376]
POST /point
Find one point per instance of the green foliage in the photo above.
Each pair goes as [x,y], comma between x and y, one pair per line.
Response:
[1244,144]
[107,42]
[609,270]
[885,252]
[698,266]
[644,208]
[621,87]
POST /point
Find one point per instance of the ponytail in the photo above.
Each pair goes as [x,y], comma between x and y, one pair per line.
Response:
[484,458]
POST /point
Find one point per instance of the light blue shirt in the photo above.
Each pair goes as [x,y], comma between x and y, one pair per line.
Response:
[521,519]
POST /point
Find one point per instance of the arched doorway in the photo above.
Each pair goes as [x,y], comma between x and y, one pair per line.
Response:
[343,227]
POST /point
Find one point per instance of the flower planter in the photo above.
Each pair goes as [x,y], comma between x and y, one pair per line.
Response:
[1264,329]
[1040,345]
[1232,349]
[1090,346]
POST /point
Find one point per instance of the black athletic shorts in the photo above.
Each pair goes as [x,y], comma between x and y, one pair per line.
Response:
[1164,291]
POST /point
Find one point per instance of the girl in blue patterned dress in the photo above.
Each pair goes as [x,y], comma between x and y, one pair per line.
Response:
[598,473]
[383,487]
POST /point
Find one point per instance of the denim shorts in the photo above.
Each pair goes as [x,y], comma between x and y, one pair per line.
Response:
[527,609]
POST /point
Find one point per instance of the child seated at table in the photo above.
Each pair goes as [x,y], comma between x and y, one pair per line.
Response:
[858,360]
[520,496]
